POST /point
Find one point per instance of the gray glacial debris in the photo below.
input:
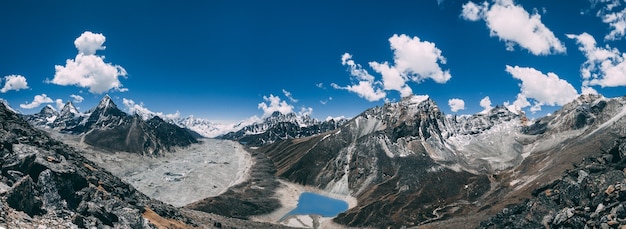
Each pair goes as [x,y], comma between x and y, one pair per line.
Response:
[191,174]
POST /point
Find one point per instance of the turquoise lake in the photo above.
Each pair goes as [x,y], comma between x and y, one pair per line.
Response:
[311,203]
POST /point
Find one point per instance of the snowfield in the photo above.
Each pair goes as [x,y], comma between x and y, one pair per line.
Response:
[190,174]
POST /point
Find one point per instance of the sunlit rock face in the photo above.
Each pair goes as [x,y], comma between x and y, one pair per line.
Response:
[419,165]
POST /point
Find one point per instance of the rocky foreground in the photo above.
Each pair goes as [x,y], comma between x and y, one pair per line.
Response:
[593,195]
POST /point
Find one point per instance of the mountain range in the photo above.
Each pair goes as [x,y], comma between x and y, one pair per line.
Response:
[407,163]
[107,127]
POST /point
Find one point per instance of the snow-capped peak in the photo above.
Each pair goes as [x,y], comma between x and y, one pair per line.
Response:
[48,110]
[415,99]
[7,105]
[69,108]
[105,103]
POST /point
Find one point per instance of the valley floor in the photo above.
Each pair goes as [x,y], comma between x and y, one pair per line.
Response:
[179,178]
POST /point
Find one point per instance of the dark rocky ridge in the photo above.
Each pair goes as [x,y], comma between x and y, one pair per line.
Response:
[591,195]
[107,127]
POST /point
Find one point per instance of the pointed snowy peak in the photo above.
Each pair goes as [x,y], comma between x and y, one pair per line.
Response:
[7,105]
[69,108]
[106,103]
[48,111]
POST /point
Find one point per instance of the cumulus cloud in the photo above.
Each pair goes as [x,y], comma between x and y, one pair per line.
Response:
[543,89]
[485,103]
[605,66]
[413,60]
[145,113]
[77,98]
[512,24]
[289,96]
[88,43]
[88,70]
[456,104]
[14,82]
[274,103]
[37,100]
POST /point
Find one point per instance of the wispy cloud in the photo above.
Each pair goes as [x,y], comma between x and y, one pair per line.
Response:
[289,96]
[42,99]
[77,98]
[145,113]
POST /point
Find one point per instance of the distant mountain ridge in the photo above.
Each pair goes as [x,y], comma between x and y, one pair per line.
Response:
[107,127]
[279,126]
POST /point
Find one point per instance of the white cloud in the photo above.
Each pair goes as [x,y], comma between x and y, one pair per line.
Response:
[14,82]
[392,79]
[485,103]
[456,104]
[146,113]
[515,26]
[473,12]
[364,89]
[289,96]
[320,85]
[617,22]
[418,60]
[543,89]
[356,70]
[59,103]
[275,104]
[414,60]
[89,70]
[613,14]
[605,66]
[88,43]
[305,111]
[77,98]
[37,100]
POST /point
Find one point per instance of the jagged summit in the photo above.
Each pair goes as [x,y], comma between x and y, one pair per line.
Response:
[279,126]
[106,102]
[69,108]
[48,110]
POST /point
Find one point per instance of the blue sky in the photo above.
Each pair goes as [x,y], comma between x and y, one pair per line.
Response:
[220,59]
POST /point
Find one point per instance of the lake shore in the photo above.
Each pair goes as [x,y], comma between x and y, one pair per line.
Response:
[288,193]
